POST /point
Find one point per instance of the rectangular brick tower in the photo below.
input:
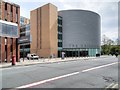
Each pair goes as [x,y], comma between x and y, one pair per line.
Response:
[44,32]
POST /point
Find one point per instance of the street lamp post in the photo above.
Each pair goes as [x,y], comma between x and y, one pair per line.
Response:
[76,51]
[72,50]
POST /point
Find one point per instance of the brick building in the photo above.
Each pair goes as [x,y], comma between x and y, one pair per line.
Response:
[9,30]
[43,29]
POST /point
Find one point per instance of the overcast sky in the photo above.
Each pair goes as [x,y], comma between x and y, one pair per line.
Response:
[107,9]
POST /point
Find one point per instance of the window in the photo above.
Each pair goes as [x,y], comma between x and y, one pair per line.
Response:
[22,29]
[5,41]
[5,15]
[8,30]
[16,18]
[4,28]
[27,33]
[60,36]
[11,16]
[28,27]
[59,29]
[60,22]
[16,14]
[11,8]
[5,6]
[59,44]
[23,34]
[59,17]
[27,46]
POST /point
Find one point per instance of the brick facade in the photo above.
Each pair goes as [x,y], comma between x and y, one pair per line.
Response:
[43,29]
[10,17]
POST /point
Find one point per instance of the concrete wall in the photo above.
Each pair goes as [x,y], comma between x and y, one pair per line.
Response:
[44,30]
[81,29]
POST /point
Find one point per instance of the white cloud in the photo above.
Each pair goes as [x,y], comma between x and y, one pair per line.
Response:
[108,10]
[111,34]
[24,12]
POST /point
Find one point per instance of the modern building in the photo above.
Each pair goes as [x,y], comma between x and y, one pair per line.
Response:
[76,32]
[60,36]
[81,32]
[24,21]
[9,30]
[24,40]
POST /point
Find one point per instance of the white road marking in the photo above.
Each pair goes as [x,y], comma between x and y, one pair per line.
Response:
[115,86]
[86,70]
[110,85]
[47,80]
[63,76]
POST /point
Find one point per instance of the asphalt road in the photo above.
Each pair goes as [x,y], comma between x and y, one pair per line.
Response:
[91,73]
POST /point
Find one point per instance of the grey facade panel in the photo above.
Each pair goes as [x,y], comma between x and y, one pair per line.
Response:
[81,29]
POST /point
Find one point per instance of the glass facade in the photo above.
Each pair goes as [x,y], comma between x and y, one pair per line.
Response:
[24,21]
[25,39]
[59,36]
[21,21]
[25,30]
[8,29]
[76,52]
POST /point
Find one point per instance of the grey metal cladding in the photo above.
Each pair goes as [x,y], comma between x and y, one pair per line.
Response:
[81,29]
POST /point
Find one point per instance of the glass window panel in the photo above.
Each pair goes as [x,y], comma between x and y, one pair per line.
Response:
[8,30]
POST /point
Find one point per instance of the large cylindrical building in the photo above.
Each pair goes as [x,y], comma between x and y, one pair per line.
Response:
[80,32]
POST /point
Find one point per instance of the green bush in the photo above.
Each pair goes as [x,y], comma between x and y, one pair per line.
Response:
[110,49]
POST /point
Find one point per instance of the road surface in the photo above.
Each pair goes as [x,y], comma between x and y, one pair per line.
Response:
[89,73]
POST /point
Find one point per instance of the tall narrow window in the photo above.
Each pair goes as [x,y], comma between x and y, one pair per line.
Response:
[5,40]
[5,15]
[16,14]
[5,6]
[11,12]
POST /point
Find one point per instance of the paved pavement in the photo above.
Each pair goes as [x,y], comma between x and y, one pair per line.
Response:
[89,73]
[47,60]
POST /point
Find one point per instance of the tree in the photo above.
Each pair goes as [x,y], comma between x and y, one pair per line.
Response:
[107,41]
[106,45]
[114,49]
